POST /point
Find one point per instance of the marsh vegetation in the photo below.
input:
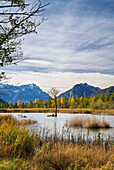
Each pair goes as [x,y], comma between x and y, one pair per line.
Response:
[92,123]
[21,148]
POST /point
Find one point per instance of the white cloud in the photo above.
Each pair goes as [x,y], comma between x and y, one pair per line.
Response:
[67,40]
[73,45]
[63,81]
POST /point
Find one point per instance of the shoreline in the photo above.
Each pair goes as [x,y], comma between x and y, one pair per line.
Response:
[60,110]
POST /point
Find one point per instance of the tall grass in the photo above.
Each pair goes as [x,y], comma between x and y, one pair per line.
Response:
[88,123]
[61,155]
[15,140]
[7,118]
[22,149]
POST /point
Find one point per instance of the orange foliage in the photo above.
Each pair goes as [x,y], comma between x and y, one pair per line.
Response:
[72,100]
[61,100]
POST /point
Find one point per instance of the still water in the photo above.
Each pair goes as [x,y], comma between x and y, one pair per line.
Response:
[58,123]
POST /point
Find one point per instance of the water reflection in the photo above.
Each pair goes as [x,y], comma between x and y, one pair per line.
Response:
[49,123]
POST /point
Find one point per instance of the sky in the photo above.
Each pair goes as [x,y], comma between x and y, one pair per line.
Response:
[74,45]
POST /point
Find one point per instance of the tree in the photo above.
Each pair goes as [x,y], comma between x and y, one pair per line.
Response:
[112,97]
[107,96]
[61,101]
[19,103]
[17,18]
[48,103]
[102,97]
[9,104]
[3,76]
[73,103]
[54,93]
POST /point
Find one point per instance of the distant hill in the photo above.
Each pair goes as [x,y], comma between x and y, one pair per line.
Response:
[104,91]
[80,90]
[2,101]
[25,93]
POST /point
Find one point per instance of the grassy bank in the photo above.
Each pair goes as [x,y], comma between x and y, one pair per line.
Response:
[61,156]
[22,149]
[52,110]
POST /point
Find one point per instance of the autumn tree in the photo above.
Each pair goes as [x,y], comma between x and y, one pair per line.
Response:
[19,103]
[62,102]
[107,96]
[73,103]
[54,93]
[48,103]
[17,18]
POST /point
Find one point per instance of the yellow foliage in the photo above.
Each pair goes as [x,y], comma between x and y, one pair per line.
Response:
[81,98]
[72,100]
[61,100]
[9,103]
[19,103]
[92,100]
[36,101]
[53,102]
[69,99]
[99,100]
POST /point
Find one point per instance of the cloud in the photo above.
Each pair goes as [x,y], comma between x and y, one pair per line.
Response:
[62,81]
[77,38]
[67,41]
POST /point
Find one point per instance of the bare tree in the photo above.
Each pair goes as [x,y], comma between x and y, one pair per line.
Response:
[17,18]
[54,93]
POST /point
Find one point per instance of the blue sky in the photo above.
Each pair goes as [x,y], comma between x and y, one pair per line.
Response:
[75,44]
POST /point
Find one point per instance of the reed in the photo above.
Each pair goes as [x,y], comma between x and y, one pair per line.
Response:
[95,123]
[7,118]
[27,122]
[62,155]
[23,149]
[15,140]
[87,123]
[76,122]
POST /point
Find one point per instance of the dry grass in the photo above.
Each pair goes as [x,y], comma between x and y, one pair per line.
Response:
[87,123]
[60,110]
[27,122]
[7,118]
[76,122]
[21,149]
[61,155]
[66,156]
[15,141]
[10,119]
[94,123]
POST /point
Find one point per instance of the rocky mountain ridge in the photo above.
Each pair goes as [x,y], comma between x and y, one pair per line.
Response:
[80,90]
[25,93]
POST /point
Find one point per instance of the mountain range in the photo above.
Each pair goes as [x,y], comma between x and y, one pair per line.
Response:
[25,93]
[104,91]
[80,90]
[30,92]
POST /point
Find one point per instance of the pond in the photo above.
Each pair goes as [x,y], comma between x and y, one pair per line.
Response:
[52,124]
